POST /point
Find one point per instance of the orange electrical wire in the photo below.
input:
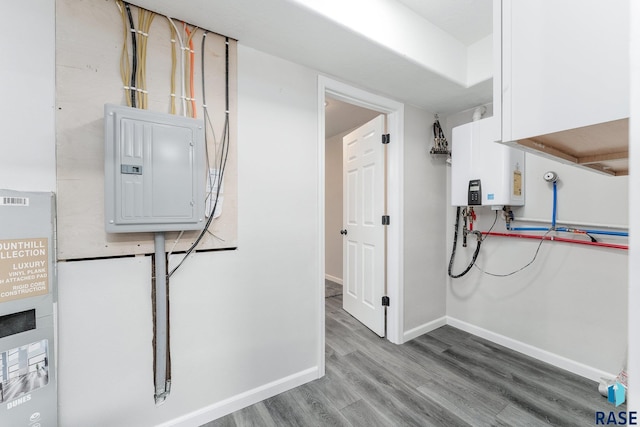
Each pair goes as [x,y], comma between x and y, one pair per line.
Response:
[192,60]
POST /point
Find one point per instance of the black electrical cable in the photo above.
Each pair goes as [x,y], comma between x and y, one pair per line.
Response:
[222,164]
[535,255]
[455,243]
[204,95]
[226,43]
[134,55]
[492,225]
[205,108]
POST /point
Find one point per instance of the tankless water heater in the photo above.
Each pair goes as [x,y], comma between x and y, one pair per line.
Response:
[484,172]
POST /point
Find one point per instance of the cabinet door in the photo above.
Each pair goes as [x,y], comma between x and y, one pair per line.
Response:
[565,64]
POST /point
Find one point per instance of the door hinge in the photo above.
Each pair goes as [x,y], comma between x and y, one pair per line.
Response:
[385,301]
[386,138]
[385,220]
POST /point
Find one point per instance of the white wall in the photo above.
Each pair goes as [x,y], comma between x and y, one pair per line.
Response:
[480,61]
[240,320]
[570,304]
[424,222]
[27,156]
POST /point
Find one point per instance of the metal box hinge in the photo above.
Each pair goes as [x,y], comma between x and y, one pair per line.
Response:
[385,301]
[386,220]
[386,138]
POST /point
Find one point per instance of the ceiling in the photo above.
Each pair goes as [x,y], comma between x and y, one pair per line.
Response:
[341,117]
[466,20]
[295,31]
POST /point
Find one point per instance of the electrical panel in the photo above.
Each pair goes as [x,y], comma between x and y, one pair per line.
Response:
[154,171]
[476,160]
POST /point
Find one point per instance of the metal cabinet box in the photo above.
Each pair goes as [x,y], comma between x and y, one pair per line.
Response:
[154,171]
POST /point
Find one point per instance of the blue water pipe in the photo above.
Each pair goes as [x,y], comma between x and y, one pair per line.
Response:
[554,214]
[528,228]
[555,205]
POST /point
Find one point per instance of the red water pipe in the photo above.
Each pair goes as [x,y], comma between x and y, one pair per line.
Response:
[557,239]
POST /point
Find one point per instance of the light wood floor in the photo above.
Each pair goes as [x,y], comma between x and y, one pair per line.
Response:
[445,378]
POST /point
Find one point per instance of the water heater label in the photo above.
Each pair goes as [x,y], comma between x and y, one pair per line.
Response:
[517,183]
[24,268]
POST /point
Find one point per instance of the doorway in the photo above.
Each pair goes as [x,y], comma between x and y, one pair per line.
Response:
[333,91]
[354,197]
[340,118]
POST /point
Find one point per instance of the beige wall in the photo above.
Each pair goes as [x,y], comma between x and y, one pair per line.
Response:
[341,119]
[333,208]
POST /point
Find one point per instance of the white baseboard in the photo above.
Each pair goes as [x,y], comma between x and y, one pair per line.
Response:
[333,279]
[248,398]
[535,352]
[423,329]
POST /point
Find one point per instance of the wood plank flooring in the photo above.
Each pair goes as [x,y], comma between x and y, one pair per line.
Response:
[445,378]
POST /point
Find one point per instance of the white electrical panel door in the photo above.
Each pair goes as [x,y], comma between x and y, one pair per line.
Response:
[476,156]
[154,171]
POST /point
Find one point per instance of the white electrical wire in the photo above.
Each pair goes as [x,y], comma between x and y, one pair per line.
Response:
[175,242]
[182,70]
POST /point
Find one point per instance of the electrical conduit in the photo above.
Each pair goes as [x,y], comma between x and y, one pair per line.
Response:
[161,318]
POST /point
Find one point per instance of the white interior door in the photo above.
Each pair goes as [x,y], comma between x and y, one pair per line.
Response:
[364,235]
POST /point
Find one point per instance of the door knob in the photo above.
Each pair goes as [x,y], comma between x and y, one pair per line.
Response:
[343,232]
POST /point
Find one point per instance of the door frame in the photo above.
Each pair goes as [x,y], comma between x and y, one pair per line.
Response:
[395,195]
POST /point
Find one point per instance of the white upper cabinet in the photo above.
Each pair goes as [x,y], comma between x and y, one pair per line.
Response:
[562,80]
